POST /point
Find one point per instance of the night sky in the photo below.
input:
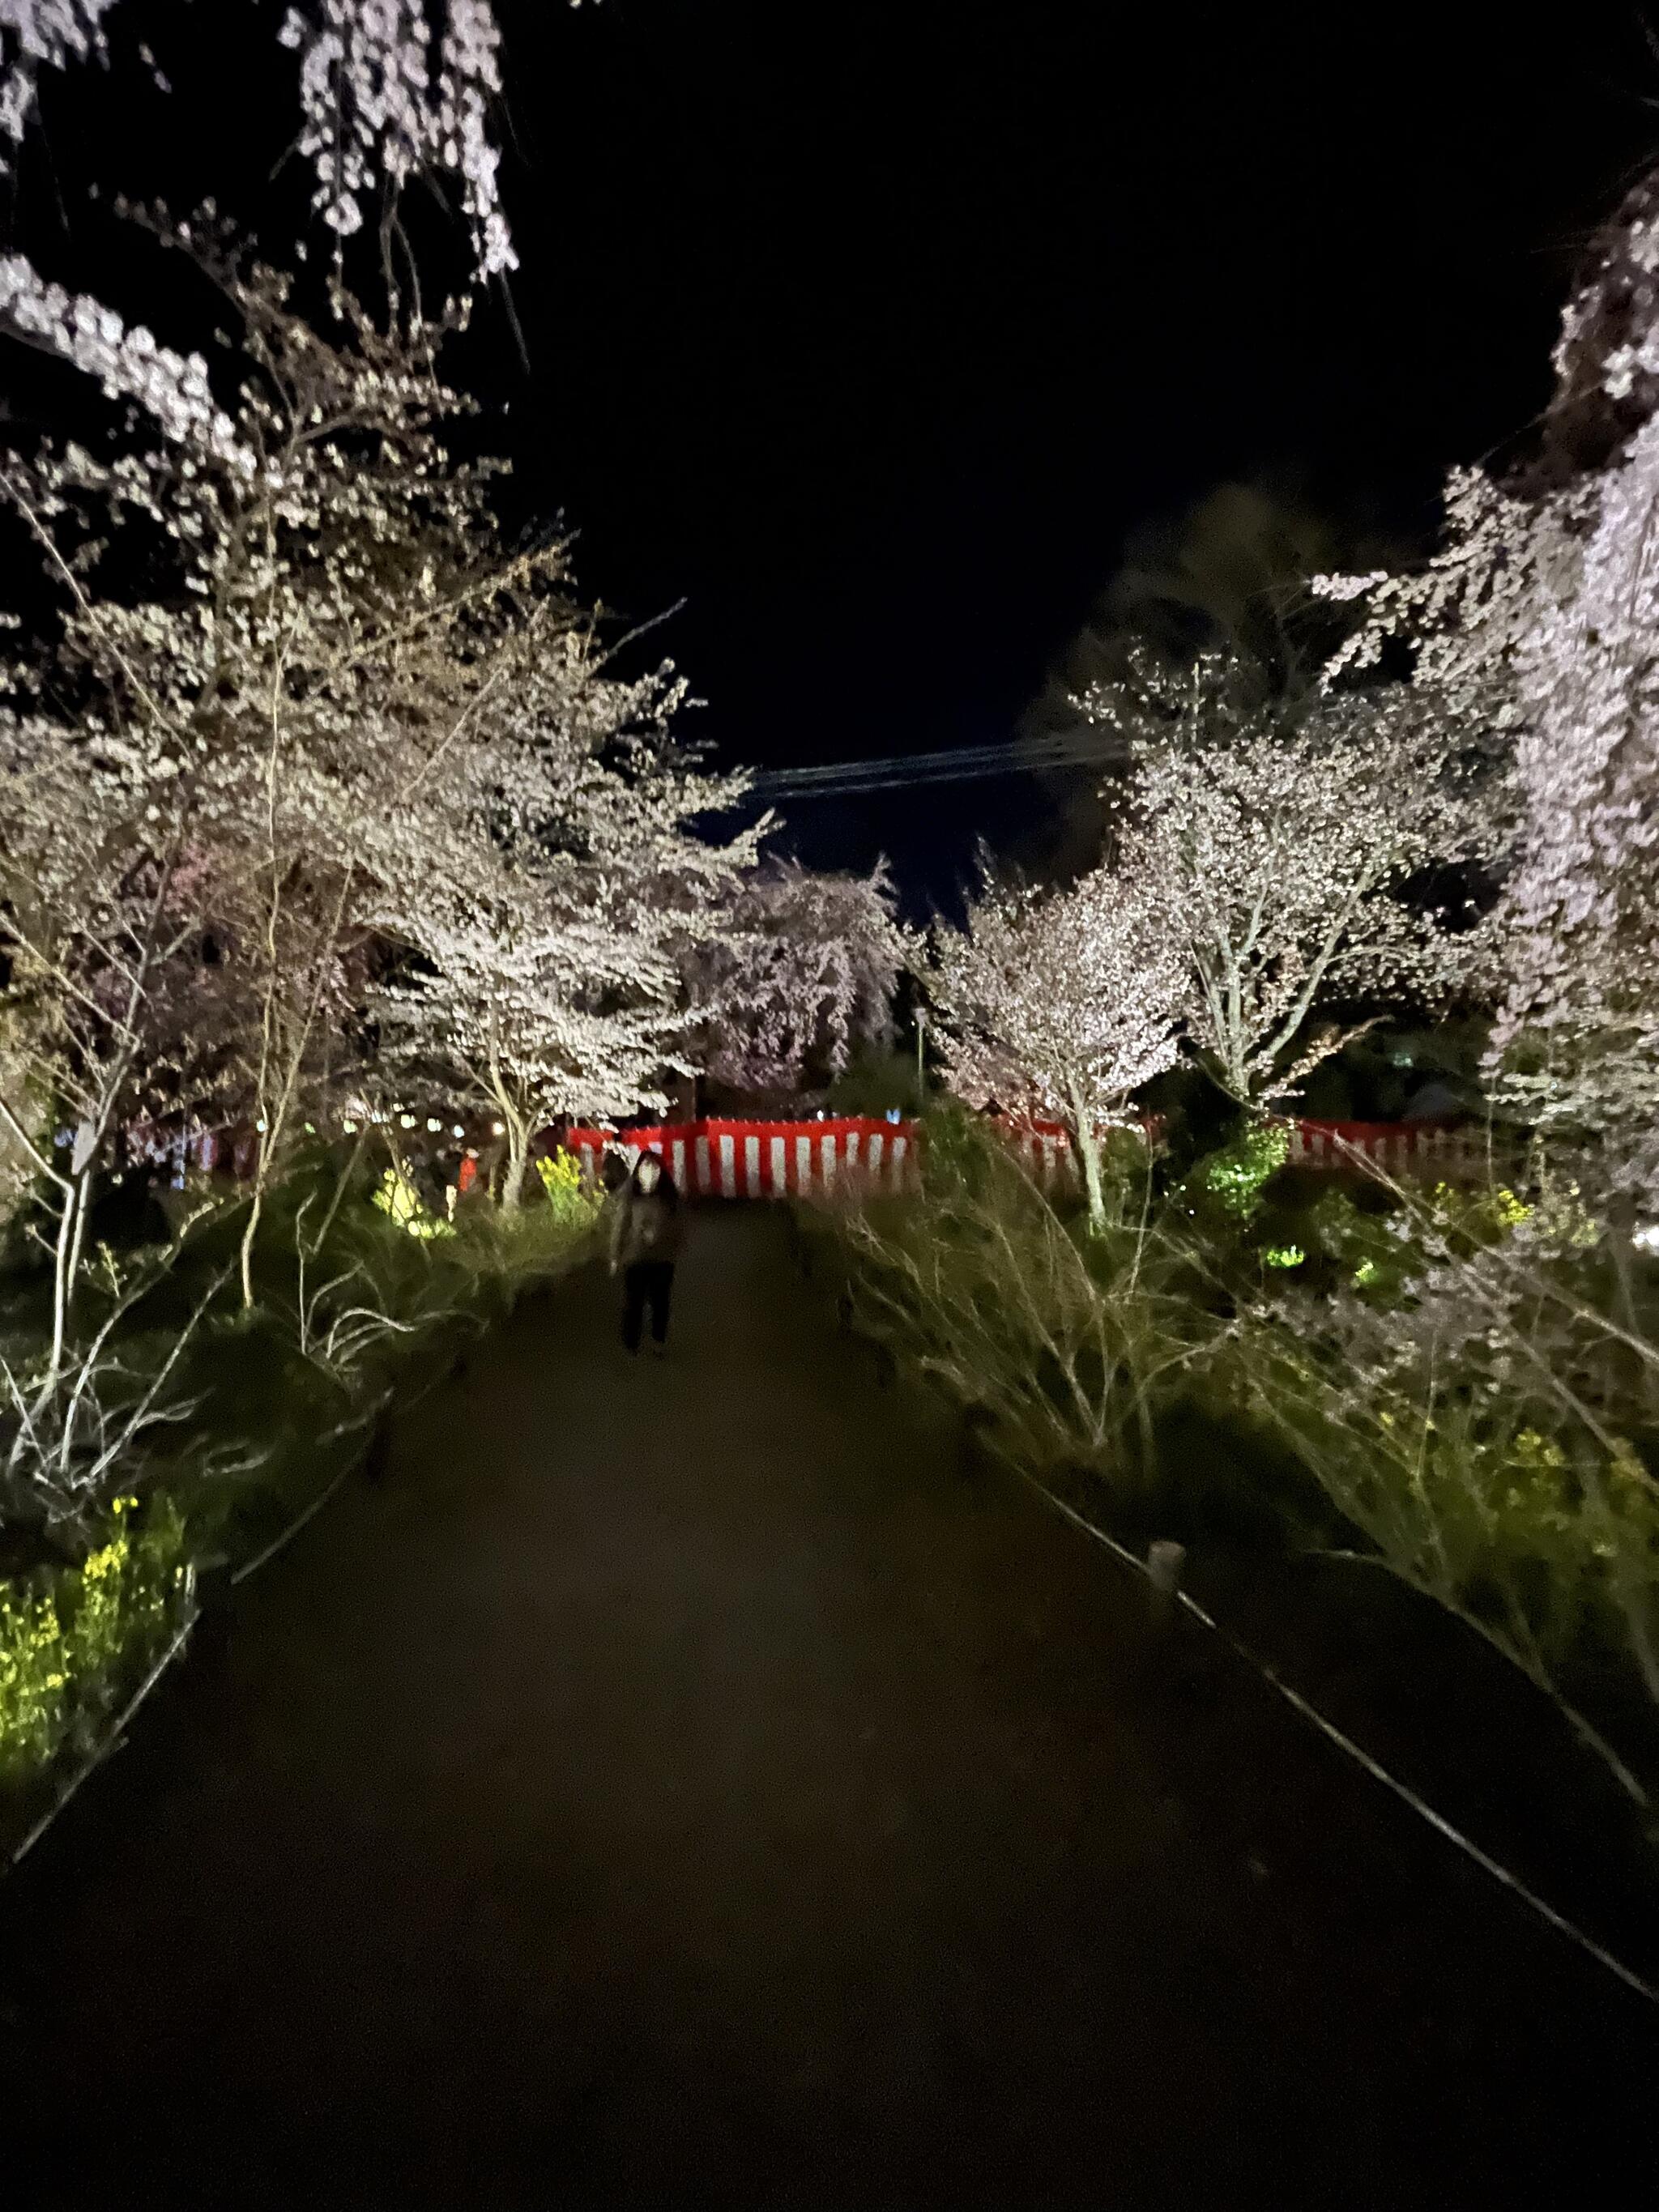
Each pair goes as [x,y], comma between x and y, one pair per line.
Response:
[872,333]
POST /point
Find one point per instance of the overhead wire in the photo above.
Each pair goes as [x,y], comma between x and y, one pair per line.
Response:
[961,763]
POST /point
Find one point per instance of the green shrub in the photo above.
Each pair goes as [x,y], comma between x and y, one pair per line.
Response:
[575,1204]
[35,1694]
[121,1601]
[229,1423]
[1468,1379]
[1233,1181]
[74,1641]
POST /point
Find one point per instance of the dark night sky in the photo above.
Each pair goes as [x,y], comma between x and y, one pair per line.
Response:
[870,333]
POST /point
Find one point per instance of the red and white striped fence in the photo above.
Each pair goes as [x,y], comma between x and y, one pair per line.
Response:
[791,1160]
[794,1159]
[1396,1147]
[767,1159]
[1044,1149]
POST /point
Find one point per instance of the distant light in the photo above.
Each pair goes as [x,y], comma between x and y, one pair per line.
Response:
[458,1131]
[405,1120]
[1648,1236]
[434,1124]
[498,1128]
[260,1125]
[350,1128]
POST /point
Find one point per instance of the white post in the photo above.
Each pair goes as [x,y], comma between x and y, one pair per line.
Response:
[1166,1563]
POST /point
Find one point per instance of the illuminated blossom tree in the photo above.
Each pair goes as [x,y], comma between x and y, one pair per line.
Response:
[550,874]
[800,976]
[388,90]
[1541,610]
[264,707]
[1293,852]
[253,708]
[383,99]
[37,34]
[1059,1002]
[362,723]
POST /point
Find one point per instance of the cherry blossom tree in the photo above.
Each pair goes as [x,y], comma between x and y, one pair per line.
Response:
[1059,1002]
[390,758]
[1540,609]
[800,976]
[37,34]
[553,871]
[248,705]
[366,722]
[1292,848]
[96,912]
[382,100]
[388,90]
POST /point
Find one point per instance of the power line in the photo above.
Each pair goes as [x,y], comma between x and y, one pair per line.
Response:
[950,766]
[957,764]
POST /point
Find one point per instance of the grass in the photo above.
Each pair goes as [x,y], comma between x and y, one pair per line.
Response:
[1065,1346]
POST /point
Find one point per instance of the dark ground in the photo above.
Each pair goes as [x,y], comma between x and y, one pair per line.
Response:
[690,1785]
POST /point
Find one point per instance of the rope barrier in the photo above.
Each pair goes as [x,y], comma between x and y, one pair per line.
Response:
[1362,1759]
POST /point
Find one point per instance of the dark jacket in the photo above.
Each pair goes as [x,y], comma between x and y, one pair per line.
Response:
[646,1224]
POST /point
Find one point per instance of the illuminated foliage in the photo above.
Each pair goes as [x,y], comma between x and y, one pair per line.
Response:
[388,90]
[1540,612]
[1235,1176]
[1057,1003]
[395,1196]
[575,1201]
[799,978]
[34,1684]
[71,1642]
[1278,842]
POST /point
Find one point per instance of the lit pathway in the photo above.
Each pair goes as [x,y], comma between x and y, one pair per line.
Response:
[687,1785]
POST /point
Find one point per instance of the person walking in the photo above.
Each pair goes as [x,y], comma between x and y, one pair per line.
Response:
[646,1233]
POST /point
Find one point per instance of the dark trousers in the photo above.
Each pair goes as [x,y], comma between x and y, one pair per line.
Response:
[647,1282]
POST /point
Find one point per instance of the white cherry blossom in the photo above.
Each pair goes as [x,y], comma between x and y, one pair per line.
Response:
[1060,1003]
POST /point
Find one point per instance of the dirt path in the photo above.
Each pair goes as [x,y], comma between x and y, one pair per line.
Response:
[688,1785]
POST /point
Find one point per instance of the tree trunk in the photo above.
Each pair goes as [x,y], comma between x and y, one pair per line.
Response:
[518,1159]
[83,1208]
[1088,1151]
[248,1234]
[63,1280]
